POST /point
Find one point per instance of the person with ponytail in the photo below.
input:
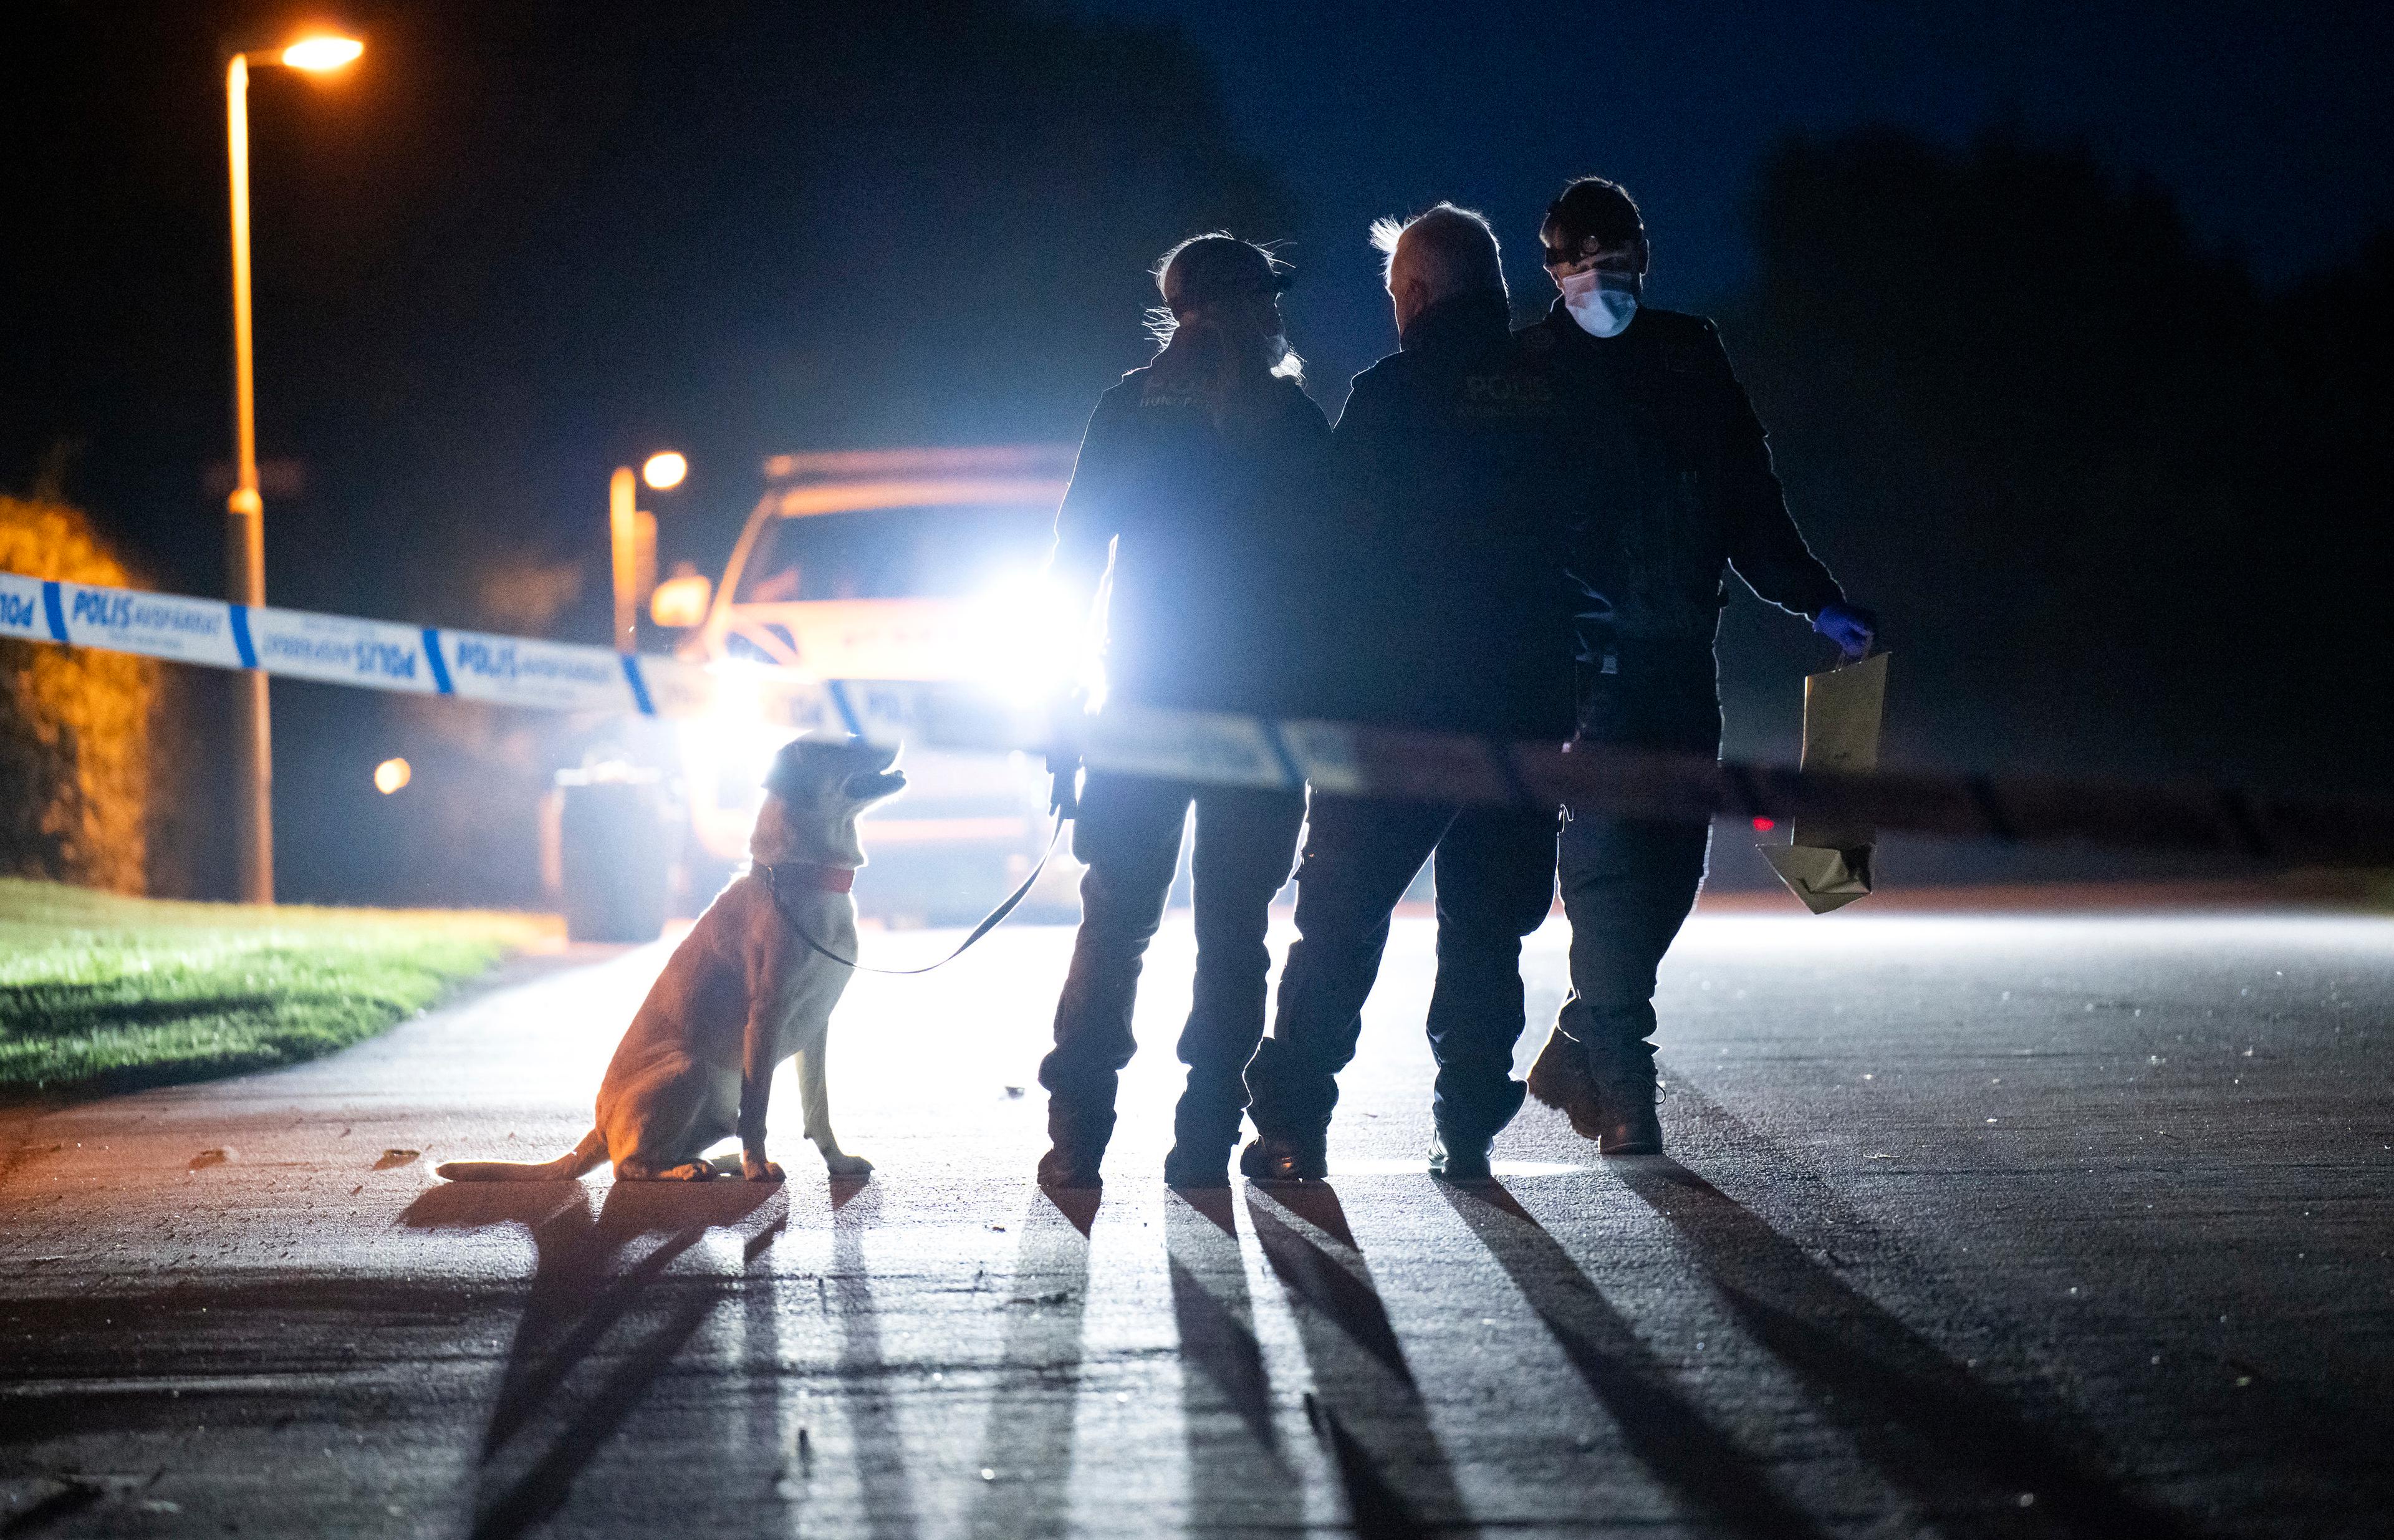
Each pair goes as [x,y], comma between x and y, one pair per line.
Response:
[1202,488]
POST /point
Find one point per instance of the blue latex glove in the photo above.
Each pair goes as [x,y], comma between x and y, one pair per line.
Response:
[1853,629]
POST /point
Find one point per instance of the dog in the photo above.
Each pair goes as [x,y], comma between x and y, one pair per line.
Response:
[741,993]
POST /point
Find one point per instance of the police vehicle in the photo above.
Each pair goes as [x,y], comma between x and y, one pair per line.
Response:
[916,564]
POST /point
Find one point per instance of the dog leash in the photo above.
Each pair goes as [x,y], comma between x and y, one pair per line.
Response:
[988,924]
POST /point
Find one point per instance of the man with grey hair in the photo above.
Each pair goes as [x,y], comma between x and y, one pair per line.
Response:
[1458,621]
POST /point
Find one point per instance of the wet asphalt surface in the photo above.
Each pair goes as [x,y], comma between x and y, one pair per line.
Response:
[2007,1225]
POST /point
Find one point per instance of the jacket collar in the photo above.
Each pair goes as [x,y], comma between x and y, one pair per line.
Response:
[1459,322]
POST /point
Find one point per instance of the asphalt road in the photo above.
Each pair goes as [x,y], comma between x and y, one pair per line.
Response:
[1974,1225]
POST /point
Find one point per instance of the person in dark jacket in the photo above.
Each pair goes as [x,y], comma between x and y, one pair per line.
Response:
[1459,623]
[1200,484]
[1685,493]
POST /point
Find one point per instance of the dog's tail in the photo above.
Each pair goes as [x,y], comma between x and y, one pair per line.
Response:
[576,1162]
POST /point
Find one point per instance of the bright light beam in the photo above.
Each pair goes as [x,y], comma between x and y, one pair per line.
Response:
[1023,641]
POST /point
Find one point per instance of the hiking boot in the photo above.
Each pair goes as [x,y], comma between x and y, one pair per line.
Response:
[1271,1162]
[1188,1167]
[1560,1079]
[1459,1159]
[1067,1166]
[1625,1097]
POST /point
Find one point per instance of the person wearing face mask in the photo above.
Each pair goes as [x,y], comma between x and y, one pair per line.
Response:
[1458,619]
[1680,476]
[1201,487]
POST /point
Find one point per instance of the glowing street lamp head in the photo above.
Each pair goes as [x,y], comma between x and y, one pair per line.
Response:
[665,471]
[393,774]
[322,53]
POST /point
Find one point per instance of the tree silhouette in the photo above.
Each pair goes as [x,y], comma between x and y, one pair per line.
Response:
[2114,499]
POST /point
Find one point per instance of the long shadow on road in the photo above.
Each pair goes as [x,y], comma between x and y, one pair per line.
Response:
[1369,1410]
[582,1288]
[1970,1457]
[1700,1464]
[1240,1480]
[877,1442]
[1027,1447]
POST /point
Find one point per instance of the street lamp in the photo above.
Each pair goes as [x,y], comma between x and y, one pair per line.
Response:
[632,533]
[253,735]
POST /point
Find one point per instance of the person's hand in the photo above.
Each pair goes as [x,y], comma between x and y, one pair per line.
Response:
[1853,629]
[1066,710]
[1063,786]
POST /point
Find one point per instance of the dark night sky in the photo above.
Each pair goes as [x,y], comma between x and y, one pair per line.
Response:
[2272,126]
[527,239]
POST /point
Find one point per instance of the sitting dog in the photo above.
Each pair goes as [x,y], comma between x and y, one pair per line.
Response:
[741,993]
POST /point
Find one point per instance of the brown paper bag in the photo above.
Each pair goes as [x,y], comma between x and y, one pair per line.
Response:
[1827,864]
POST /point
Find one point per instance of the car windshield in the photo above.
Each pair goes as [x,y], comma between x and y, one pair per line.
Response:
[934,552]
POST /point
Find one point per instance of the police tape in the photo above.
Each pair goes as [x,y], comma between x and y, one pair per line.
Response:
[1350,760]
[1201,747]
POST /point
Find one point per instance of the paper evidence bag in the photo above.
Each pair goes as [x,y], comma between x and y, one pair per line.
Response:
[1827,864]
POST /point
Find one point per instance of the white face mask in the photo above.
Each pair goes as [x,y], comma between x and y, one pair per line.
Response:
[1601,302]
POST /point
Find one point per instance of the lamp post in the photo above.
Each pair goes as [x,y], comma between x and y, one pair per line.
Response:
[625,526]
[245,551]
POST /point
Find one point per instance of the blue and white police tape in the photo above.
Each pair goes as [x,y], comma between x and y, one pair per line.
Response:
[1203,747]
[473,665]
[343,649]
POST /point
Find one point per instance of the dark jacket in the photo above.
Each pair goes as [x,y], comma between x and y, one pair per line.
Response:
[1214,527]
[1687,491]
[1456,616]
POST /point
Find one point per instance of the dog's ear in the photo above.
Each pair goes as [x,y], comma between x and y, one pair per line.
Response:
[782,779]
[804,765]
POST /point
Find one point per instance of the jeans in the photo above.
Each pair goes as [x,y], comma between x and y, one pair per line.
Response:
[1495,877]
[1129,832]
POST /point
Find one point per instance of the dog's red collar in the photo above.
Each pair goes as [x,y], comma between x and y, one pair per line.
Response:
[831,880]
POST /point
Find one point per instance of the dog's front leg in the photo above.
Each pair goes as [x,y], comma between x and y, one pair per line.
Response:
[758,1049]
[814,1094]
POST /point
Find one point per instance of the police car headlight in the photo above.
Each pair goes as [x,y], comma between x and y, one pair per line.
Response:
[1022,639]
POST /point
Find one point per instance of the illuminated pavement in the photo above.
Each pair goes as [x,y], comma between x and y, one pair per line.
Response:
[2068,1226]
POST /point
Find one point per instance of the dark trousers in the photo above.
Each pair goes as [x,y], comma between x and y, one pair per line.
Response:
[1129,832]
[1495,877]
[1627,887]
[1630,884]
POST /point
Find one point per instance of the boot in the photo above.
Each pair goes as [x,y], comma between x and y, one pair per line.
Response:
[1076,1145]
[1273,1162]
[1064,1167]
[1624,1082]
[1460,1159]
[1560,1079]
[1204,1132]
[1189,1166]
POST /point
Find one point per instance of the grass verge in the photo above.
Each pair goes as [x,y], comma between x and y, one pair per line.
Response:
[101,993]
